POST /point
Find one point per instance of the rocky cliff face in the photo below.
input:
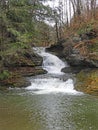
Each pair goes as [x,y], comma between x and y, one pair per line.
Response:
[17,66]
[79,50]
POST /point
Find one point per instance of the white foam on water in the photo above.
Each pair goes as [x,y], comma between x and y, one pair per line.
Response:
[44,85]
[51,63]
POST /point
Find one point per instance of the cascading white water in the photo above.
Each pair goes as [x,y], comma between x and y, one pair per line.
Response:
[53,81]
[51,63]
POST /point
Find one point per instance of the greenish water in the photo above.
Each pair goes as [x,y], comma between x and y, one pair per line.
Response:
[22,110]
[50,103]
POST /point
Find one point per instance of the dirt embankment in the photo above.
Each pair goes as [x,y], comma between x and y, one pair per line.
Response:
[87,81]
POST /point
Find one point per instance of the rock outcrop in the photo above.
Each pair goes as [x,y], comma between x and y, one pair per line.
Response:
[79,50]
[17,66]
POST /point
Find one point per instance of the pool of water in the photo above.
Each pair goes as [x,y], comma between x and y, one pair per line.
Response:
[22,110]
[49,103]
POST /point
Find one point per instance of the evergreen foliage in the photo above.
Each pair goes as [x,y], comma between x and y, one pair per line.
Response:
[20,21]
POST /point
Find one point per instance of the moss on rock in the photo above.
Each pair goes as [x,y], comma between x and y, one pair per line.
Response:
[87,81]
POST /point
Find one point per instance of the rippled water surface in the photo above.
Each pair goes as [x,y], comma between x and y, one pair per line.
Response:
[50,103]
[25,111]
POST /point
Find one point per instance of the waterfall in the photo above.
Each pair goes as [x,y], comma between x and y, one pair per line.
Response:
[53,81]
[51,63]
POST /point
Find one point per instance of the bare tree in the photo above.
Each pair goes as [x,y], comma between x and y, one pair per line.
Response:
[93,8]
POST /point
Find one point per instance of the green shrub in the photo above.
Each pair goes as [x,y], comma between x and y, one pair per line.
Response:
[86,29]
[4,74]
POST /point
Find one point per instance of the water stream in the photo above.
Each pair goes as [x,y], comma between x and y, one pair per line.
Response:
[54,81]
[50,103]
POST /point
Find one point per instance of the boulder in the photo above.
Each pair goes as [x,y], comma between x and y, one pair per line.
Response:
[72,70]
[79,60]
[56,49]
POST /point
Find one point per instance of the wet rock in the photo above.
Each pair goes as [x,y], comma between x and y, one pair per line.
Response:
[56,49]
[79,60]
[13,82]
[23,82]
[28,71]
[73,70]
[75,60]
[17,77]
